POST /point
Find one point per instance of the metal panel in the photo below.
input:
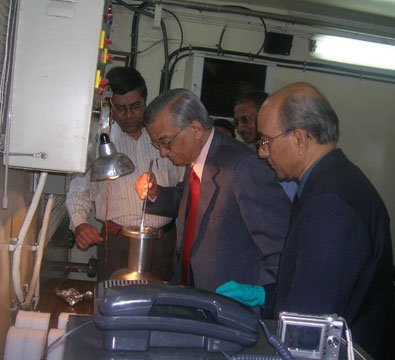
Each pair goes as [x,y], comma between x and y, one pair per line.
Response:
[56,55]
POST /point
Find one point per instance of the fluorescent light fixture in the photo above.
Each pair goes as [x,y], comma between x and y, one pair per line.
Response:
[351,51]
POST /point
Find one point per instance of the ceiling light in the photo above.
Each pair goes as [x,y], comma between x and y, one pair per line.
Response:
[352,51]
[110,164]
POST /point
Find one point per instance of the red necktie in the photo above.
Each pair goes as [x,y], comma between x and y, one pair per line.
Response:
[194,190]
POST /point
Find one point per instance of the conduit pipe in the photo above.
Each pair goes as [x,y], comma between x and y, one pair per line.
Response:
[39,252]
[16,276]
[339,24]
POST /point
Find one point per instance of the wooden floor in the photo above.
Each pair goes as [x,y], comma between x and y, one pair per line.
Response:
[51,303]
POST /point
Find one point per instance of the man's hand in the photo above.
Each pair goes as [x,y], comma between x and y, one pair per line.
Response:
[143,187]
[86,235]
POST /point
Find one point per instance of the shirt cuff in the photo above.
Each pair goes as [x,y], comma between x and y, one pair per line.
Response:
[78,220]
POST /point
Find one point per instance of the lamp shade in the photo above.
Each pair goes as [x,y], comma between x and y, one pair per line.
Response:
[353,51]
[110,164]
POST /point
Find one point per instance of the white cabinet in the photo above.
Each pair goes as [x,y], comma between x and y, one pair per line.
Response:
[56,54]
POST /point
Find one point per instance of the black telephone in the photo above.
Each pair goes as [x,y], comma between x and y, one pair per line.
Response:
[137,315]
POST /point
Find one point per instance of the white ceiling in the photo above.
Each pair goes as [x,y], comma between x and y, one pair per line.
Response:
[376,17]
[385,8]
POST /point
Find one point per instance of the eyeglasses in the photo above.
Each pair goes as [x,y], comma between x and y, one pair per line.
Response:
[134,108]
[166,144]
[262,143]
[246,119]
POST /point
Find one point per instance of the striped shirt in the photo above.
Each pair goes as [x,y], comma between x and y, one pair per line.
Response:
[124,205]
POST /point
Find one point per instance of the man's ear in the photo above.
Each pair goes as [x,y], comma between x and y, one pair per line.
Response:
[302,139]
[197,129]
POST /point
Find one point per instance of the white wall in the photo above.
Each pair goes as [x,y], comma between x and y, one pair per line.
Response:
[20,192]
[365,108]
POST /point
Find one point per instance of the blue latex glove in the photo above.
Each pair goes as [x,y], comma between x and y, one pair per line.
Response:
[251,295]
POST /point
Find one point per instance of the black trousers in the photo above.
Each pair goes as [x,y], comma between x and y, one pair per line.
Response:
[118,254]
[267,310]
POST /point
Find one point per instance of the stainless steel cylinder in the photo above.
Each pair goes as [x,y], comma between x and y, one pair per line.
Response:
[140,254]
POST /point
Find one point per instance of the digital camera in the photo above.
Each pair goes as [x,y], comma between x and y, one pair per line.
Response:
[311,336]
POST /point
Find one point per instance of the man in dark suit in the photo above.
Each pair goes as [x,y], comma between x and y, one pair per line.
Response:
[337,257]
[242,214]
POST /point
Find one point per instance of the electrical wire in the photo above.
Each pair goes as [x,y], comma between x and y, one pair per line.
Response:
[179,48]
[294,64]
[148,48]
[63,337]
[164,34]
[181,32]
[168,71]
[250,357]
[350,346]
[280,347]
[108,184]
[264,40]
[135,35]
[219,46]
[333,23]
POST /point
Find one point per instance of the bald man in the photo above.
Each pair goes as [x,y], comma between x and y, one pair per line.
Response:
[337,256]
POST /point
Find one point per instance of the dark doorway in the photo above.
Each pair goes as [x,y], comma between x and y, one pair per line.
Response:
[222,79]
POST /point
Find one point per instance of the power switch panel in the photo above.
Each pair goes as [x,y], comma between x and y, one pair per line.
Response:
[53,82]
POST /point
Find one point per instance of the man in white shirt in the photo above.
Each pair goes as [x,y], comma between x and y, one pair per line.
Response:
[124,207]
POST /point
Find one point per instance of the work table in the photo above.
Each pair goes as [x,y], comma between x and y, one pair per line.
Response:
[51,303]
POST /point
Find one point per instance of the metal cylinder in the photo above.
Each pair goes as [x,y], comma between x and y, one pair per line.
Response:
[140,254]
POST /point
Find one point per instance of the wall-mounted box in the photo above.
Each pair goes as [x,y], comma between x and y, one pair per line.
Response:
[52,89]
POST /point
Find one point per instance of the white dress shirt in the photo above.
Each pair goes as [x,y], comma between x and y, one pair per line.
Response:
[124,205]
[198,164]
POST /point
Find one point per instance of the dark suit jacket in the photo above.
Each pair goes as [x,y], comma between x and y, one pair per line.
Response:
[242,219]
[337,256]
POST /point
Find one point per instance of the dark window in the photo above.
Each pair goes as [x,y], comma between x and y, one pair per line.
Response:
[223,78]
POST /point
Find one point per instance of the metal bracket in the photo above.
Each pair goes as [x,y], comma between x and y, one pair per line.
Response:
[41,155]
[157,16]
[13,244]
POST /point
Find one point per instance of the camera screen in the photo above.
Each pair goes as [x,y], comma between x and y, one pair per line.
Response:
[301,337]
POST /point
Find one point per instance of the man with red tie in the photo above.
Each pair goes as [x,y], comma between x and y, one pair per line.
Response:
[232,213]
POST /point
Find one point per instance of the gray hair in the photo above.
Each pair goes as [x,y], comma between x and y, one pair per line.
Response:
[183,104]
[312,114]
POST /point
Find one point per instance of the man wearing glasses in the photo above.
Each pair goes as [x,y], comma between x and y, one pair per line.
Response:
[337,257]
[247,105]
[123,207]
[232,213]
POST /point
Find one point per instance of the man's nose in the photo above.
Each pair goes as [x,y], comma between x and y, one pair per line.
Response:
[163,151]
[263,153]
[241,125]
[129,112]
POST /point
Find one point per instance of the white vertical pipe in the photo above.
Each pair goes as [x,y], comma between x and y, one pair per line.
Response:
[16,276]
[40,250]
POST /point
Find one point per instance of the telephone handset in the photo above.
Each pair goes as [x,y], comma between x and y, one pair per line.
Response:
[136,316]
